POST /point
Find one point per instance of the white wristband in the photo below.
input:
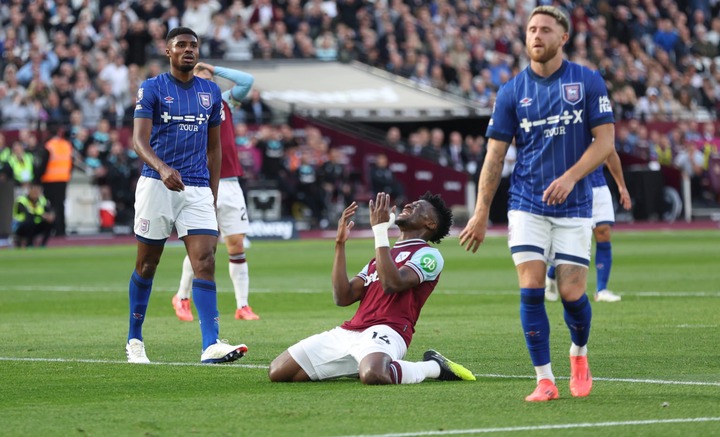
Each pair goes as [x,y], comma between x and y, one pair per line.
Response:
[381,232]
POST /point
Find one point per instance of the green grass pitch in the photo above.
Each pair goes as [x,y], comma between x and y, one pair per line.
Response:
[63,324]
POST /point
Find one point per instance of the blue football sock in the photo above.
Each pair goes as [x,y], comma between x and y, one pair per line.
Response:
[551,272]
[603,263]
[205,297]
[578,315]
[535,324]
[139,293]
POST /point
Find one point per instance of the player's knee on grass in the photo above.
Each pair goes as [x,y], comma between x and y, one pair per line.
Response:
[374,369]
[285,369]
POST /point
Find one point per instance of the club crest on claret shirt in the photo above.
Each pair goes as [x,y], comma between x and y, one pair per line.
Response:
[205,100]
[572,92]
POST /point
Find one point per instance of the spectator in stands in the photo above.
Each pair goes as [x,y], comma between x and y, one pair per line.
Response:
[21,113]
[709,142]
[393,139]
[40,64]
[33,217]
[435,151]
[336,182]
[256,110]
[123,171]
[308,190]
[691,162]
[238,47]
[21,164]
[39,153]
[457,151]
[198,16]
[382,180]
[475,156]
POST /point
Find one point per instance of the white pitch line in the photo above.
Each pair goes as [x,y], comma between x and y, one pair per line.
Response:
[152,363]
[513,292]
[545,427]
[595,378]
[261,366]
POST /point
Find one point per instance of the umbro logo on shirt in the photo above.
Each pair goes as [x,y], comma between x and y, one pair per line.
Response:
[168,100]
[527,101]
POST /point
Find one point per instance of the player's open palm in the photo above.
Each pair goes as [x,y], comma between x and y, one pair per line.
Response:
[345,223]
[381,210]
[474,233]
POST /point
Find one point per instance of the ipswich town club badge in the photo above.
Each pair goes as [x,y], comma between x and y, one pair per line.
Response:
[205,100]
[572,92]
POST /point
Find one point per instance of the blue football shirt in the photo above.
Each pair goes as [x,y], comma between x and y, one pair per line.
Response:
[181,113]
[597,177]
[551,120]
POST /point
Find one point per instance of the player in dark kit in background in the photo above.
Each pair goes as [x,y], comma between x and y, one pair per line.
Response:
[231,209]
[392,289]
[561,119]
[176,132]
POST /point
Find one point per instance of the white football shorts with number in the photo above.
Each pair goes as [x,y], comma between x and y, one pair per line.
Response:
[232,214]
[338,352]
[155,207]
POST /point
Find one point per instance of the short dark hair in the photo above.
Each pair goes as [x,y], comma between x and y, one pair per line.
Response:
[444,216]
[180,31]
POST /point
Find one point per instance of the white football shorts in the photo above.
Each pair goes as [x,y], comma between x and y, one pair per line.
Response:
[338,352]
[232,214]
[158,210]
[603,211]
[560,240]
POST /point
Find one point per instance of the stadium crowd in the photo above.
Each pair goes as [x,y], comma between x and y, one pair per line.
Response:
[75,66]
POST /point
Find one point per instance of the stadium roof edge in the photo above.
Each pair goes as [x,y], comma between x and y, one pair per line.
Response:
[354,92]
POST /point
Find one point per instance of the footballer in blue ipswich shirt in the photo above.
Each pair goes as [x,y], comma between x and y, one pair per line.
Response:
[559,115]
[176,132]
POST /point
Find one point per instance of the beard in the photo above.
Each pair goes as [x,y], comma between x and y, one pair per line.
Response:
[544,55]
[186,68]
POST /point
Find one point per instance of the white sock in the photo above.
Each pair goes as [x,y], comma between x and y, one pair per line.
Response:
[185,288]
[544,372]
[577,351]
[240,280]
[413,373]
